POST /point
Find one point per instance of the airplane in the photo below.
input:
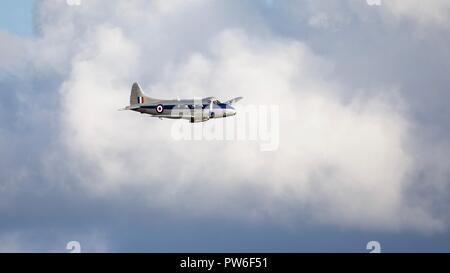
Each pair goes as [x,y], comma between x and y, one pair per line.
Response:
[194,110]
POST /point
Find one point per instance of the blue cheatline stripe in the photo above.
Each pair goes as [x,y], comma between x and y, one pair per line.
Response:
[154,106]
[190,106]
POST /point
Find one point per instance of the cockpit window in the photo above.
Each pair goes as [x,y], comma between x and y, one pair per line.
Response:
[213,100]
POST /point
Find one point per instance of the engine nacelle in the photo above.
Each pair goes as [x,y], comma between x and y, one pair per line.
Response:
[202,117]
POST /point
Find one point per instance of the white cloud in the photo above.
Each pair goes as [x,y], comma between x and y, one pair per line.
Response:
[343,163]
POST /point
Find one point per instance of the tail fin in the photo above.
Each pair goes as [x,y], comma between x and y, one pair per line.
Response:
[138,97]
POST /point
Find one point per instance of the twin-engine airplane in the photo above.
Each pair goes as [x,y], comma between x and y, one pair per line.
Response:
[193,110]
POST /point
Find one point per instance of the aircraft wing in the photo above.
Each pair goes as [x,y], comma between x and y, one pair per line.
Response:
[235,100]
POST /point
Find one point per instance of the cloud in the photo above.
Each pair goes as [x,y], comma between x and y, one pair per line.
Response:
[12,53]
[353,149]
[335,16]
[331,152]
[435,12]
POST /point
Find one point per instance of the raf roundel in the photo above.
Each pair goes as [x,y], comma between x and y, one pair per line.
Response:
[159,109]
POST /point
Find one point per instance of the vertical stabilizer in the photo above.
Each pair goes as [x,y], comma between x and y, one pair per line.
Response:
[138,97]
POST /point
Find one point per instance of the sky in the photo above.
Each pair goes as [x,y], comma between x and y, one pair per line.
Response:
[17,17]
[362,132]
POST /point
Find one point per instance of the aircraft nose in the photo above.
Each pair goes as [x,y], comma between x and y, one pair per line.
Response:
[230,112]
